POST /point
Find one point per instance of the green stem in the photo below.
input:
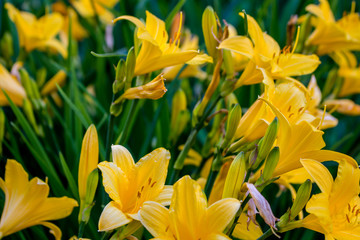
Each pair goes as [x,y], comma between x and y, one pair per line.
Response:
[266,234]
[179,163]
[81,229]
[129,118]
[109,135]
[210,182]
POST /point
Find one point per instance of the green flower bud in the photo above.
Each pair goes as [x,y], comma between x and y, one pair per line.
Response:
[28,110]
[6,46]
[228,64]
[232,124]
[118,84]
[267,142]
[87,204]
[41,77]
[271,163]
[130,67]
[2,128]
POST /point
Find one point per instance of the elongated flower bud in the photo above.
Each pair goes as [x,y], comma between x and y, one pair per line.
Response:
[178,104]
[130,67]
[268,140]
[232,123]
[235,177]
[270,163]
[89,159]
[2,128]
[210,29]
[6,46]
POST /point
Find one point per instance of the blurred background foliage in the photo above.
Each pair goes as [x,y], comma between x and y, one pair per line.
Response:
[87,96]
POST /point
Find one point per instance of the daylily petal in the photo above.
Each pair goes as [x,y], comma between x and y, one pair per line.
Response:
[319,173]
[312,222]
[343,188]
[295,65]
[217,236]
[190,205]
[155,218]
[156,28]
[344,106]
[112,217]
[122,158]
[12,88]
[319,206]
[115,181]
[238,44]
[54,230]
[328,155]
[220,214]
[58,79]
[255,31]
[132,19]
[165,196]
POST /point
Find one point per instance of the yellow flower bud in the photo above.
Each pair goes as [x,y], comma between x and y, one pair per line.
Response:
[235,177]
[89,158]
[178,104]
[210,29]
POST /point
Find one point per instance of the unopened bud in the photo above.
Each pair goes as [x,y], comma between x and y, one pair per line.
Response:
[119,76]
[302,197]
[116,109]
[41,77]
[235,177]
[178,104]
[28,110]
[228,63]
[130,67]
[232,124]
[25,80]
[195,114]
[6,46]
[271,163]
[181,122]
[210,30]
[267,142]
[228,87]
[243,145]
[87,204]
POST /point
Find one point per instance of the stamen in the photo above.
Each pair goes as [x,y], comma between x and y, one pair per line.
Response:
[296,40]
[322,119]
[176,40]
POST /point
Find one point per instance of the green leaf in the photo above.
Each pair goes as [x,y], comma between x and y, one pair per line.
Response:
[69,176]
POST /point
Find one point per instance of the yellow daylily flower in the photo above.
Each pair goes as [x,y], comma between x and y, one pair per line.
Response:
[331,35]
[129,185]
[90,8]
[193,69]
[27,203]
[156,53]
[334,212]
[264,52]
[288,95]
[154,89]
[77,30]
[349,71]
[325,119]
[12,87]
[344,106]
[189,217]
[37,33]
[301,140]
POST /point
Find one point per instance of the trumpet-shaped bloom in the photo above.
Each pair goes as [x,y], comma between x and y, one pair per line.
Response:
[90,8]
[129,185]
[156,53]
[264,52]
[189,217]
[301,140]
[334,212]
[289,96]
[27,203]
[331,35]
[12,87]
[37,33]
